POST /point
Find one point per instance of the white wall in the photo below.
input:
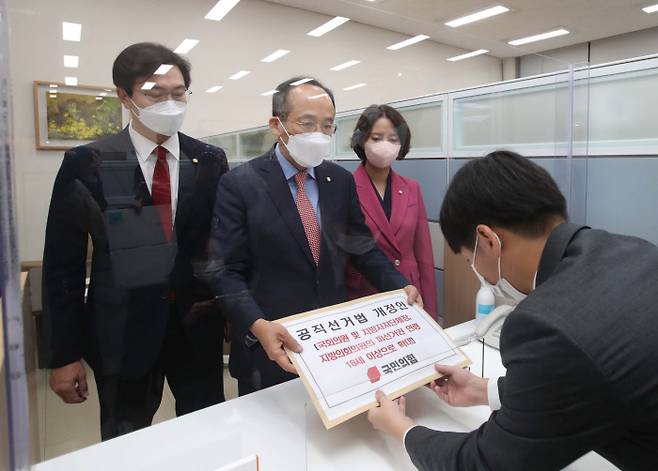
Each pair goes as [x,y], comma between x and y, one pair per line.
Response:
[624,46]
[250,32]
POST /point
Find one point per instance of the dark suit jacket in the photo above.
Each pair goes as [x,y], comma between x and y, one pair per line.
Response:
[266,267]
[100,192]
[581,353]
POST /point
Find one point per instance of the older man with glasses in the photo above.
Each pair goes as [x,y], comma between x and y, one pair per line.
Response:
[144,197]
[285,226]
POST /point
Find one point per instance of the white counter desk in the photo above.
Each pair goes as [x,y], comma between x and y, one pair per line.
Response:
[281,425]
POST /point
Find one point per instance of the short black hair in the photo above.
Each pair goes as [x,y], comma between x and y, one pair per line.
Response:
[368,119]
[280,99]
[141,60]
[502,189]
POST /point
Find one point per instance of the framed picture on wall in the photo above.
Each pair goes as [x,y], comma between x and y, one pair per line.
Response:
[66,116]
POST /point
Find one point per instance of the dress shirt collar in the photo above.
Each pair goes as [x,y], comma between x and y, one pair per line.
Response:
[144,147]
[289,170]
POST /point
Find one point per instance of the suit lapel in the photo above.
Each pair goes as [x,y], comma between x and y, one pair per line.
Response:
[187,171]
[142,193]
[400,200]
[280,193]
[326,180]
[372,206]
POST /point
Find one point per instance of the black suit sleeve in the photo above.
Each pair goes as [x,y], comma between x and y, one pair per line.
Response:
[231,256]
[64,262]
[555,408]
[365,256]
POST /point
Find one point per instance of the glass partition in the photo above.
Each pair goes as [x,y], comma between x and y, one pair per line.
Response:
[346,125]
[255,143]
[528,117]
[122,220]
[228,143]
[16,432]
[426,124]
[621,99]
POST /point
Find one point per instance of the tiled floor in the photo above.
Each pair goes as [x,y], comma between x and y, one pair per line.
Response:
[67,427]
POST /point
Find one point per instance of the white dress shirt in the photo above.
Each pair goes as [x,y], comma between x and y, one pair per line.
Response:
[493,394]
[147,157]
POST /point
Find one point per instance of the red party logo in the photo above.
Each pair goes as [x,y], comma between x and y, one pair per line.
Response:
[373,374]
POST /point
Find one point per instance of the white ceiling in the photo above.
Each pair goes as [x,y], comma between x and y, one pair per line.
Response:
[587,20]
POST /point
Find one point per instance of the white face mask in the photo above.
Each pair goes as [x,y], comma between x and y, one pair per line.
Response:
[308,149]
[165,117]
[503,288]
[381,154]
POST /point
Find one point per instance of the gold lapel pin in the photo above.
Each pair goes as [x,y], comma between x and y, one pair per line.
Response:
[195,161]
[328,179]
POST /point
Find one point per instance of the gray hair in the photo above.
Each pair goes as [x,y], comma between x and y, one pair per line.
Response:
[280,99]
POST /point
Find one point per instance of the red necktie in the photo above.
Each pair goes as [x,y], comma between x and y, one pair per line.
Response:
[309,219]
[161,192]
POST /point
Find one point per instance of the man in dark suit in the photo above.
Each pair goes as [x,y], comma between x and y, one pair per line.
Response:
[285,226]
[145,197]
[580,350]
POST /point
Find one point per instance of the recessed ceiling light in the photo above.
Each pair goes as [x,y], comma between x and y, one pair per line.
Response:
[239,75]
[71,81]
[99,97]
[328,26]
[300,82]
[278,54]
[71,62]
[71,31]
[53,85]
[214,89]
[186,46]
[269,93]
[53,96]
[148,85]
[102,94]
[480,15]
[163,69]
[468,55]
[539,37]
[650,9]
[345,65]
[108,89]
[220,9]
[408,42]
[355,86]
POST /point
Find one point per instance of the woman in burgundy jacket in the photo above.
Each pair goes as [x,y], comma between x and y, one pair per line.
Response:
[392,204]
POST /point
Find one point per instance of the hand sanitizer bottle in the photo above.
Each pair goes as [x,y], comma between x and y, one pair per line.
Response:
[485,302]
